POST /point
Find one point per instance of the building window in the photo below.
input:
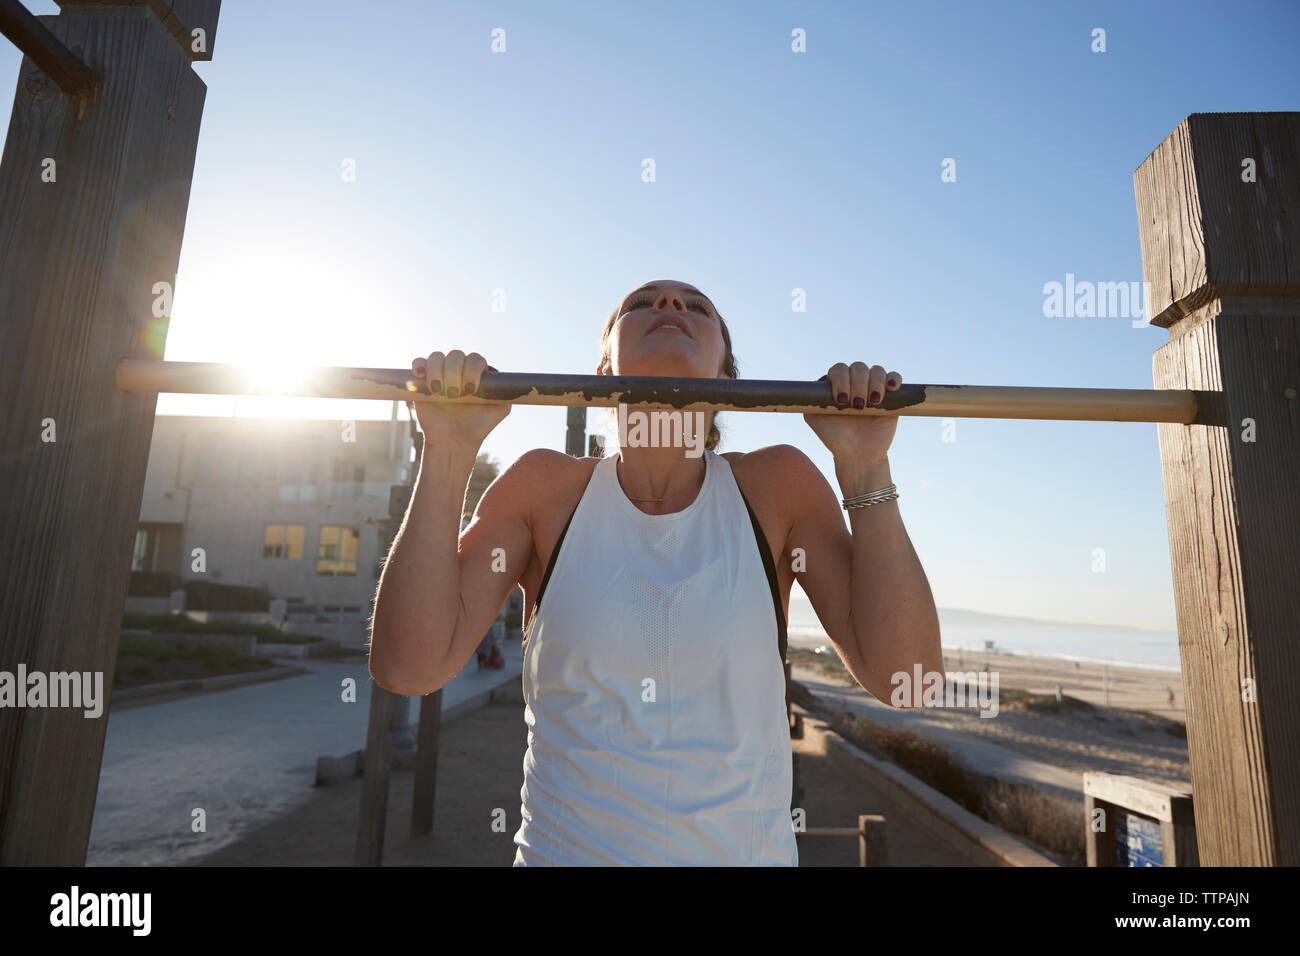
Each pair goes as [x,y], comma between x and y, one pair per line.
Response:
[284,541]
[146,543]
[338,550]
[157,548]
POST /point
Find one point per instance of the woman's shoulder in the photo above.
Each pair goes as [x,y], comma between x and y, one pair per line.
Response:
[772,464]
[776,481]
[539,486]
[780,474]
[545,468]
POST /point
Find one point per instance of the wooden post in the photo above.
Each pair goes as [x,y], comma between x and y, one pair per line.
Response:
[373,818]
[94,195]
[430,729]
[1219,214]
[576,432]
[1099,843]
[872,850]
[426,763]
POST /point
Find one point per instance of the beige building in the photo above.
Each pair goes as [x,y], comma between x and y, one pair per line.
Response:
[296,506]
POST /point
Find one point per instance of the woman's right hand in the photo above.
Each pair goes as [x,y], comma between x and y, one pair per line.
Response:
[452,375]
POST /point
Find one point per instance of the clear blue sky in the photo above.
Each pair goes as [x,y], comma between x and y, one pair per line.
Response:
[775,170]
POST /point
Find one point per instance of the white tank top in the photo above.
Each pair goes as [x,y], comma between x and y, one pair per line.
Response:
[654,690]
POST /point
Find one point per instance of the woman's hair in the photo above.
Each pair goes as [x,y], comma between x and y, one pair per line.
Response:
[729,367]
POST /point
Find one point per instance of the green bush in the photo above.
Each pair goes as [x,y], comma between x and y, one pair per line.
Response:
[180,624]
[152,584]
[207,596]
[146,660]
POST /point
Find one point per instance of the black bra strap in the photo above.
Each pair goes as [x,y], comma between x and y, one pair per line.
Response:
[550,566]
[769,566]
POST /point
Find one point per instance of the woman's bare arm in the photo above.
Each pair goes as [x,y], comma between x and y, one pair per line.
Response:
[868,587]
[440,589]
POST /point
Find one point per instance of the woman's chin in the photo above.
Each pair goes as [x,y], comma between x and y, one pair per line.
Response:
[663,370]
[664,364]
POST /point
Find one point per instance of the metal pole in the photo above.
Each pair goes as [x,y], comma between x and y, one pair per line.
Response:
[45,49]
[430,719]
[753,395]
[576,433]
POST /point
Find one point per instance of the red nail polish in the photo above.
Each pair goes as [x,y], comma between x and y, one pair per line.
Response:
[469,388]
[875,397]
[858,402]
[842,398]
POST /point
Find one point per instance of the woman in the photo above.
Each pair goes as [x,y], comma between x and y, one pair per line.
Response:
[660,583]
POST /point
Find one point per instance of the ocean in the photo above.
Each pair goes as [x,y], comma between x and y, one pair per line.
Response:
[968,630]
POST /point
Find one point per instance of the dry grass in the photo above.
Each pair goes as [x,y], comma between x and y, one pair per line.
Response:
[828,663]
[1030,814]
[1012,699]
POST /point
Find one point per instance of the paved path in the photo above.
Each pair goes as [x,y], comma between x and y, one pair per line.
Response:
[246,754]
[241,755]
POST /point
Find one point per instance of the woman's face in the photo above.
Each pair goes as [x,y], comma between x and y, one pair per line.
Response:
[670,329]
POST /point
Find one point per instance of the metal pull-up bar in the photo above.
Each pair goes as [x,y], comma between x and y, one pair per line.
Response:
[724,394]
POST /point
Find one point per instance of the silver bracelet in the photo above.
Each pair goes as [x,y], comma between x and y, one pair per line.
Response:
[871,498]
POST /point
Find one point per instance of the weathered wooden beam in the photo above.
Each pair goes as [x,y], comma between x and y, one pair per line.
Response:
[191,23]
[44,49]
[94,203]
[718,394]
[1219,212]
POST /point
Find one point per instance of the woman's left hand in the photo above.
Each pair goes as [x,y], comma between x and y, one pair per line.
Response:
[861,437]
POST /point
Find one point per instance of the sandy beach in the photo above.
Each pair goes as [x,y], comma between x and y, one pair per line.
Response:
[1128,688]
[1130,728]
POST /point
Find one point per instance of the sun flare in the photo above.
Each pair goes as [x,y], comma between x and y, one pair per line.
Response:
[276,377]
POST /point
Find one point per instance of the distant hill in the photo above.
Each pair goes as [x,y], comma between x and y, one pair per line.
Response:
[957,617]
[803,616]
